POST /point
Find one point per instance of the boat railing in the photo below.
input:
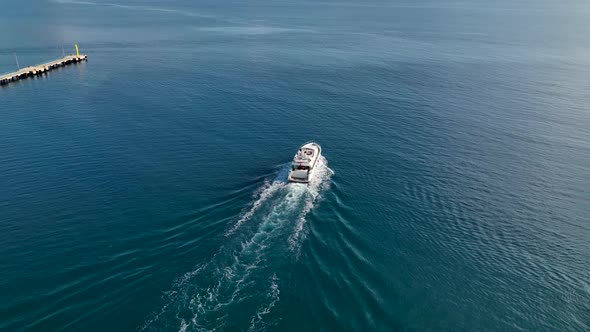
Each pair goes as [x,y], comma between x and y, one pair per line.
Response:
[314,142]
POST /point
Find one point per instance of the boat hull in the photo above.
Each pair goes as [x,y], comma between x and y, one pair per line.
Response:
[304,163]
[291,180]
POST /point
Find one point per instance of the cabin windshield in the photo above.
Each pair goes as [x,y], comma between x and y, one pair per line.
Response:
[301,167]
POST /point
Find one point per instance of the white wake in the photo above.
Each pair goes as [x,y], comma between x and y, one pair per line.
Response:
[235,282]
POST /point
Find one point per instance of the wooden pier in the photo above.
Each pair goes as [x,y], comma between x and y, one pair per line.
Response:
[41,69]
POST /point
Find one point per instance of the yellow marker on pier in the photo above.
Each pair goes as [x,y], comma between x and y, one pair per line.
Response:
[42,68]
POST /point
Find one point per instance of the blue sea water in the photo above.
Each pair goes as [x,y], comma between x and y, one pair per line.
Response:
[145,189]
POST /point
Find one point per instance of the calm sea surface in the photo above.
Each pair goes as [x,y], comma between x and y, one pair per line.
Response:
[144,190]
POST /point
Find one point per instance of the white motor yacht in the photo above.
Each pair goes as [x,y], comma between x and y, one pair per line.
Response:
[305,162]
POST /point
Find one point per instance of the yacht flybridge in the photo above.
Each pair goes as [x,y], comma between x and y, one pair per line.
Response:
[305,162]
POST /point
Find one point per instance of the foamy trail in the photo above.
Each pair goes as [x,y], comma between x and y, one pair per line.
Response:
[231,291]
[257,322]
[261,196]
[319,183]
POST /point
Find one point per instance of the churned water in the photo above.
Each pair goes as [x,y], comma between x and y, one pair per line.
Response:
[145,189]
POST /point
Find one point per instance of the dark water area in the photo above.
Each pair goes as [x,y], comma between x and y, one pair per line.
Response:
[146,188]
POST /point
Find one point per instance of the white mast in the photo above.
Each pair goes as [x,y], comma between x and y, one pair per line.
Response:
[16,59]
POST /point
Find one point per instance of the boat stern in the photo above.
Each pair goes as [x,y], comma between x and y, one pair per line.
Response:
[299,176]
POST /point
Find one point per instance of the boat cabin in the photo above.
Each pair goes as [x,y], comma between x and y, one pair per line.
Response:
[300,167]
